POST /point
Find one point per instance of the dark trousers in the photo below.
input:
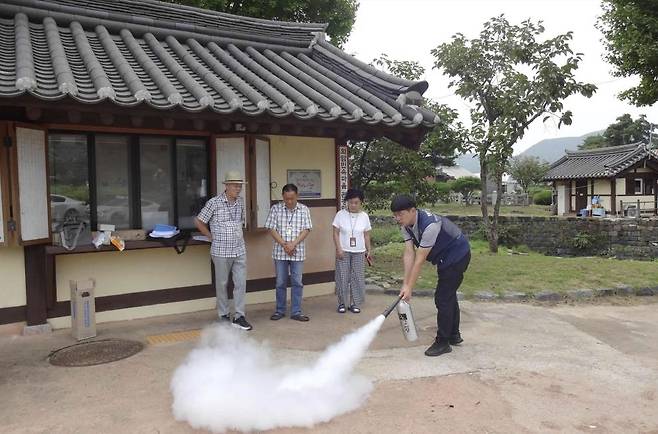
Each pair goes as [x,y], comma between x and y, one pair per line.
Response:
[445,298]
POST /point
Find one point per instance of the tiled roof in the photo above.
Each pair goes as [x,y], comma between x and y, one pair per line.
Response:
[167,56]
[599,163]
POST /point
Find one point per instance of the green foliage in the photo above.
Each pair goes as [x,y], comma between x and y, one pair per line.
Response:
[383,234]
[623,132]
[512,75]
[378,195]
[544,197]
[396,169]
[630,28]
[593,142]
[443,190]
[338,14]
[77,192]
[583,241]
[527,171]
[466,186]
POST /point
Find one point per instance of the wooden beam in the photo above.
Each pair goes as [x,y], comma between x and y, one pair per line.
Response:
[136,121]
[107,118]
[36,284]
[168,123]
[33,113]
[613,196]
[74,116]
[199,124]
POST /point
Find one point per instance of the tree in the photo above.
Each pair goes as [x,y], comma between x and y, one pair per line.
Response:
[623,132]
[466,186]
[593,142]
[338,14]
[512,78]
[527,171]
[630,28]
[626,130]
[381,166]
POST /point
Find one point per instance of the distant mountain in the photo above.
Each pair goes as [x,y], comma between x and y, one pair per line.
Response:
[469,162]
[549,150]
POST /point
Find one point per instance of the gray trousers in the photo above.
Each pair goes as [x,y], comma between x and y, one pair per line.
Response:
[224,266]
[350,279]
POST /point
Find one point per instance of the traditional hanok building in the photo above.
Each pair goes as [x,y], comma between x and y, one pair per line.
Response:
[130,112]
[620,177]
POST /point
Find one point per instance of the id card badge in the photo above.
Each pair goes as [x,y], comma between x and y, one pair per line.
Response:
[352,241]
[289,231]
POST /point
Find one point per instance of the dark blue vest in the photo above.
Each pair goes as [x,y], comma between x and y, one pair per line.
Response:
[450,246]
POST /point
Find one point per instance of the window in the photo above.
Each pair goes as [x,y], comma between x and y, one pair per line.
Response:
[192,188]
[113,192]
[649,185]
[638,183]
[130,181]
[250,156]
[156,181]
[68,164]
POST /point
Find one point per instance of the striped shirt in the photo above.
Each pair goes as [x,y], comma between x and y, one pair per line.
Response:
[226,221]
[289,224]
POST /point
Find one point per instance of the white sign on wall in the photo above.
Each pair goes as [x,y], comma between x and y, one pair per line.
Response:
[308,182]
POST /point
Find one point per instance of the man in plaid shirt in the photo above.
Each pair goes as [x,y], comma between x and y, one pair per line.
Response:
[222,220]
[289,223]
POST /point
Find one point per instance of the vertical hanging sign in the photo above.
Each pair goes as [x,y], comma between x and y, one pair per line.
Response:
[343,173]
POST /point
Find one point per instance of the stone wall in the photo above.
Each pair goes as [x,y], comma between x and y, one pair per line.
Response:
[623,238]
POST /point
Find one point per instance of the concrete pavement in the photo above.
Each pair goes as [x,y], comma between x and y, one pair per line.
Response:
[522,368]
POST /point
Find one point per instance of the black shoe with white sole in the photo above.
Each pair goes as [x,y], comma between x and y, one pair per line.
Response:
[242,323]
[225,319]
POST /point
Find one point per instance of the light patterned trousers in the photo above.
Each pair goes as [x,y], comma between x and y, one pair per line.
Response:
[350,279]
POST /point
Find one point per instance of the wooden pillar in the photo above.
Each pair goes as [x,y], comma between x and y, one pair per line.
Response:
[613,196]
[36,284]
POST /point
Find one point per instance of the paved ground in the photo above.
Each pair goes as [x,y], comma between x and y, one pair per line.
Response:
[523,368]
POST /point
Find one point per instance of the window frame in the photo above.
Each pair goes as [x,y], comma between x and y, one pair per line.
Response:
[250,191]
[134,170]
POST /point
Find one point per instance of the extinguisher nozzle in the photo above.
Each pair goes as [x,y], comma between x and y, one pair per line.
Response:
[389,309]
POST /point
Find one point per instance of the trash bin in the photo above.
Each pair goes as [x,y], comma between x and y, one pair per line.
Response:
[83,309]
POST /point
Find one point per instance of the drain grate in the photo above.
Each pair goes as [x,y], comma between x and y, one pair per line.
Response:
[95,352]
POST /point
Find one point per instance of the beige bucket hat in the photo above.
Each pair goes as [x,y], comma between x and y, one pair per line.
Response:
[233,177]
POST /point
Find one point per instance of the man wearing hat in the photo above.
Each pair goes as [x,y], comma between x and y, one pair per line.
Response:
[433,238]
[222,219]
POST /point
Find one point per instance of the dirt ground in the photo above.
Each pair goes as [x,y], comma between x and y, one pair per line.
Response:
[589,368]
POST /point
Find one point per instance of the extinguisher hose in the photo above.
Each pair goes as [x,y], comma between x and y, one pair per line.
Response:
[391,307]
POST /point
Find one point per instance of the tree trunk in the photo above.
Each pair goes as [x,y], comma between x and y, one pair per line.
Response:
[493,236]
[484,173]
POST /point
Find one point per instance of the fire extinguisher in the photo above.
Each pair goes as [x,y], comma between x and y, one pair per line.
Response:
[406,317]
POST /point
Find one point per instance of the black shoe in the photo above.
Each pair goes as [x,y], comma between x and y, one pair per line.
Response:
[276,316]
[455,339]
[242,323]
[224,319]
[300,317]
[438,348]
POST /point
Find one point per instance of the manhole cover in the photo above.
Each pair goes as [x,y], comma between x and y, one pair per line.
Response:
[95,352]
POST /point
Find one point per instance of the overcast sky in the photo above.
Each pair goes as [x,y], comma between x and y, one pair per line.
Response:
[409,29]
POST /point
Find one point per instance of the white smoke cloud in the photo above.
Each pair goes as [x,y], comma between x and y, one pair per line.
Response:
[230,381]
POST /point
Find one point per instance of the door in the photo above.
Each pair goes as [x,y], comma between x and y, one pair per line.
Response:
[581,194]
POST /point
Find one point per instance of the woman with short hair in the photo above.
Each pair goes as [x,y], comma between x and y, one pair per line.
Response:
[352,240]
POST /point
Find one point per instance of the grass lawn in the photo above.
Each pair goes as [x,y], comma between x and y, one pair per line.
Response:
[523,273]
[467,210]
